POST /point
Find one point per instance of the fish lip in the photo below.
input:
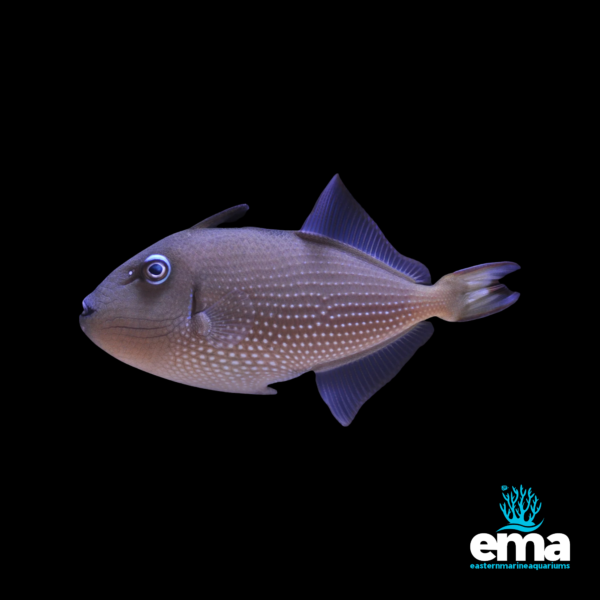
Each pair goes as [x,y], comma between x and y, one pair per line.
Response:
[87,310]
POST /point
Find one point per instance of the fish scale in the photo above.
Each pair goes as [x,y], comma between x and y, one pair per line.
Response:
[236,310]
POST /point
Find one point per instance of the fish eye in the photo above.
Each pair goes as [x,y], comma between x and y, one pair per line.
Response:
[157,269]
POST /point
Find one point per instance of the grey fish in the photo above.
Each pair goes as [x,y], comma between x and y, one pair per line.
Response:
[235,310]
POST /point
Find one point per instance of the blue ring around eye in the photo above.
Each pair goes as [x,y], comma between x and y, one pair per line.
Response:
[166,262]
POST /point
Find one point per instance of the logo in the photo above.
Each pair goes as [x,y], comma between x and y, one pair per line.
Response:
[520,509]
[516,511]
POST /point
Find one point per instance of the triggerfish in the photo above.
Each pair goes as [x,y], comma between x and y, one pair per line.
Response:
[237,309]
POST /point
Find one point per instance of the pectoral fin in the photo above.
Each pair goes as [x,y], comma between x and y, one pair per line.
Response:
[227,321]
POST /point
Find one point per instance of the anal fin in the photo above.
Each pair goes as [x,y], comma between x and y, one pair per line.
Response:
[347,387]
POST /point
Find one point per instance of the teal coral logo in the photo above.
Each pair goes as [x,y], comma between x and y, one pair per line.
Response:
[516,511]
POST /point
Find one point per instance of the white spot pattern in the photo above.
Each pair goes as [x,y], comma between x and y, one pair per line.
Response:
[309,304]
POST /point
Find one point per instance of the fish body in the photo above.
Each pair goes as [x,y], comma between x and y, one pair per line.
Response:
[236,310]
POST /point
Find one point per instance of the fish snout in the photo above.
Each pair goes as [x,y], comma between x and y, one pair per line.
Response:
[88,307]
[85,320]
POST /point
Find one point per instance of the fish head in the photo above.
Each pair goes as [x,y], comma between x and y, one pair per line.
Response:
[135,312]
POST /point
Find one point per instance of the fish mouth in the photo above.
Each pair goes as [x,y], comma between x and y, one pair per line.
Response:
[87,309]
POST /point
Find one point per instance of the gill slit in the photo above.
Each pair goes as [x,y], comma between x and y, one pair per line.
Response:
[191,305]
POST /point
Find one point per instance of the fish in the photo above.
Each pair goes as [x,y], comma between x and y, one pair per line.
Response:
[238,309]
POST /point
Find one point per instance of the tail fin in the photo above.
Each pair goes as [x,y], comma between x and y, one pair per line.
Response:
[475,292]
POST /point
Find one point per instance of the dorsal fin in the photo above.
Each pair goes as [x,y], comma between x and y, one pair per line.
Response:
[226,216]
[338,216]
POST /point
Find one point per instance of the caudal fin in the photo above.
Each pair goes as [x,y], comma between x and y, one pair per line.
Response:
[474,293]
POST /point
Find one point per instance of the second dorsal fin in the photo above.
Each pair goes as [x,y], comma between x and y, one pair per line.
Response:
[338,216]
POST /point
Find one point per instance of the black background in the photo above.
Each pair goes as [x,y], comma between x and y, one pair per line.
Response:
[459,167]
